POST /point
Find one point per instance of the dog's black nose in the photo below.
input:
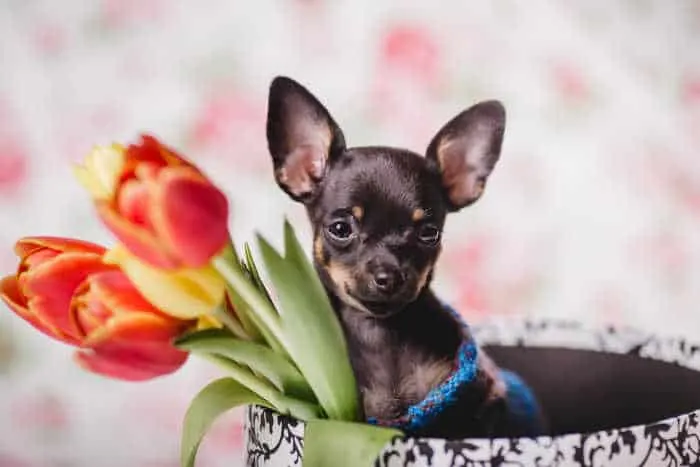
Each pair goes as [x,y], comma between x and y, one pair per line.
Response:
[387,279]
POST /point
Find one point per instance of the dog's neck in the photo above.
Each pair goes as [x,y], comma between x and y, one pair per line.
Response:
[397,360]
[423,325]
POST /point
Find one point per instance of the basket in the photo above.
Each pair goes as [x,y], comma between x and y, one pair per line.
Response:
[613,397]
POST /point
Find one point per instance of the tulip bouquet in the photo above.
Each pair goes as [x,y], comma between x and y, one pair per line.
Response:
[175,284]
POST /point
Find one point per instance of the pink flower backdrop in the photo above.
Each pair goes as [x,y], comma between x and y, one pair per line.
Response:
[593,213]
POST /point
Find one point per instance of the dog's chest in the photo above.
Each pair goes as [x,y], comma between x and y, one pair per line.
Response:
[392,372]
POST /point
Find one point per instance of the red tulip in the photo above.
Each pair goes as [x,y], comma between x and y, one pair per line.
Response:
[160,206]
[64,289]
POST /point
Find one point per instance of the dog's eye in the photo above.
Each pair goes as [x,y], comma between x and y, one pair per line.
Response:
[340,230]
[428,234]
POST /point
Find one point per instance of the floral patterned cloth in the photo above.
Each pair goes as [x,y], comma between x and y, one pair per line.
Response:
[592,214]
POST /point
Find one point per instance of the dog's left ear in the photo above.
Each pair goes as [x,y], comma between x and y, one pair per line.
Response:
[466,150]
[302,138]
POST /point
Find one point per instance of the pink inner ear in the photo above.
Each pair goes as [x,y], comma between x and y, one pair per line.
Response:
[302,169]
[459,175]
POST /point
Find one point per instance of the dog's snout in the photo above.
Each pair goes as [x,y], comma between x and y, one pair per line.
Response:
[387,279]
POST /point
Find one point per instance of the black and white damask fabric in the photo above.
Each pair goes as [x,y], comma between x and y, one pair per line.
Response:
[274,440]
[674,442]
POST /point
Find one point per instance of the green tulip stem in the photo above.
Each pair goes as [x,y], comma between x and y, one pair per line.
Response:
[262,313]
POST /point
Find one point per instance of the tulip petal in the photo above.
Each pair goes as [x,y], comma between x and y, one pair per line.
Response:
[112,368]
[190,214]
[142,329]
[117,293]
[150,149]
[100,173]
[11,295]
[208,322]
[139,341]
[88,312]
[123,367]
[132,203]
[28,245]
[35,259]
[182,293]
[139,241]
[50,287]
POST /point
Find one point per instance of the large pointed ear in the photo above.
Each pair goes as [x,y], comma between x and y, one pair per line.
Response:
[466,150]
[301,136]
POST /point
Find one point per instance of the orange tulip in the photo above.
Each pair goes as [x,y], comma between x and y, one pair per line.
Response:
[160,206]
[65,289]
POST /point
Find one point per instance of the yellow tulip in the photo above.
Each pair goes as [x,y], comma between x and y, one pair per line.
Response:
[185,293]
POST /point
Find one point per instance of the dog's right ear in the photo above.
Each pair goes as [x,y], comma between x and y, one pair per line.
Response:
[301,136]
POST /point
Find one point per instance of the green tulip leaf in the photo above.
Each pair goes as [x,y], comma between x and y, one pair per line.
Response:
[344,444]
[294,253]
[241,310]
[216,398]
[262,360]
[314,338]
[254,307]
[263,388]
[253,269]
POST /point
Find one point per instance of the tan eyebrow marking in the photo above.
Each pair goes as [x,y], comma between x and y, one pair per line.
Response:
[418,214]
[358,212]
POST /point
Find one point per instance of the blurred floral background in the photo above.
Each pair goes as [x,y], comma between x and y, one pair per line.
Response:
[592,214]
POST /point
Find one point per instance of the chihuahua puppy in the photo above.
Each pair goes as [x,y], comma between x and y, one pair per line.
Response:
[377,215]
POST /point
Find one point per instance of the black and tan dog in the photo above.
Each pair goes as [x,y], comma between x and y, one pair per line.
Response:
[377,215]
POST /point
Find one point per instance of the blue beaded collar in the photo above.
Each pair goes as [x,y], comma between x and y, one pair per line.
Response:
[440,398]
